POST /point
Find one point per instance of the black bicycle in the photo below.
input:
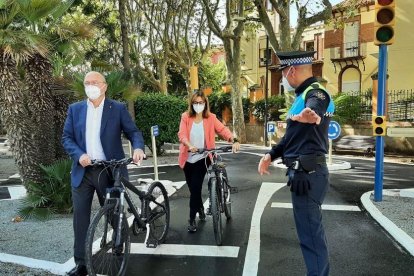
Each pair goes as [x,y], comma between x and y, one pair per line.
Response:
[108,240]
[219,190]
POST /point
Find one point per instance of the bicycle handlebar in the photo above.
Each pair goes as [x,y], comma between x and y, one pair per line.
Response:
[220,149]
[111,163]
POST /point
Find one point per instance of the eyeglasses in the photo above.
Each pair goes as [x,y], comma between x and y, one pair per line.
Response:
[92,82]
[198,102]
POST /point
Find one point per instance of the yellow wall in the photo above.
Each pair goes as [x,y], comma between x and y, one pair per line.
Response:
[401,53]
[400,58]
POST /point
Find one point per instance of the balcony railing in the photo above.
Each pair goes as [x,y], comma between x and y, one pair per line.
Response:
[349,50]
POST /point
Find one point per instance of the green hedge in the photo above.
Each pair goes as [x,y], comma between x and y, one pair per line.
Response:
[162,110]
[275,105]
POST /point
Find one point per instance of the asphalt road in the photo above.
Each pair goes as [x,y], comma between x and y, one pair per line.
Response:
[261,239]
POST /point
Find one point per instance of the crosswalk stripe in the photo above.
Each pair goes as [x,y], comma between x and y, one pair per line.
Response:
[324,207]
[186,250]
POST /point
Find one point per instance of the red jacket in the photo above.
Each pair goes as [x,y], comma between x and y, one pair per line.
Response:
[212,126]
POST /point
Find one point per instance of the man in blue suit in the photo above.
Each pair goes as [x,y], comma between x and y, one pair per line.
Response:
[93,130]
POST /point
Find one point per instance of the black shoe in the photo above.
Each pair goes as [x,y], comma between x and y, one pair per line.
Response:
[192,227]
[202,215]
[79,270]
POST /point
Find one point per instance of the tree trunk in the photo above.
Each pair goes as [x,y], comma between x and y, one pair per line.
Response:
[125,50]
[38,79]
[162,69]
[233,57]
[62,97]
[16,119]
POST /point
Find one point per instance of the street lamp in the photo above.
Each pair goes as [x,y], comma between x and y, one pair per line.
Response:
[266,89]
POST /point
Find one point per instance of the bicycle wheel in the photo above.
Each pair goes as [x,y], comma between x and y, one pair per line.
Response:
[226,198]
[215,211]
[102,257]
[157,211]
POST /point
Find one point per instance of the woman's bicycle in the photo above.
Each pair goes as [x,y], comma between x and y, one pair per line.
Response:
[219,190]
[108,240]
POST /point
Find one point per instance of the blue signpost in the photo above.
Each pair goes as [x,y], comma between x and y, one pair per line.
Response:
[154,133]
[271,127]
[334,130]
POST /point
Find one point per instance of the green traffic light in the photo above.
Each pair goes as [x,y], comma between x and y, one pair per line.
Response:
[379,130]
[384,34]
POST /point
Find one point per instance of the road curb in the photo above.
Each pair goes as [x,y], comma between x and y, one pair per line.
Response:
[399,235]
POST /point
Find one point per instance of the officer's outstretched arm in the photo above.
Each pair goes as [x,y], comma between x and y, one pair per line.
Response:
[307,116]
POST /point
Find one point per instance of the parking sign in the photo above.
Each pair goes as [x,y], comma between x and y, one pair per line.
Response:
[271,127]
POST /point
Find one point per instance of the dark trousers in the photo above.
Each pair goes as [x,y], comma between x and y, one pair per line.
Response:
[194,176]
[95,179]
[308,219]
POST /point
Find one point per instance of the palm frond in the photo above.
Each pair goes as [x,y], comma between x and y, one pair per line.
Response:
[34,10]
[8,12]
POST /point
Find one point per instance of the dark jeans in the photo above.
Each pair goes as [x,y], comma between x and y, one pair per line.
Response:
[194,176]
[308,219]
[94,180]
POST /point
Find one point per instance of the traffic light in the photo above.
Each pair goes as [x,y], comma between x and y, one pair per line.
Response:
[384,22]
[193,78]
[379,126]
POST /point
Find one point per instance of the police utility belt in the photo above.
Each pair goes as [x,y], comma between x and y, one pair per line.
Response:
[306,163]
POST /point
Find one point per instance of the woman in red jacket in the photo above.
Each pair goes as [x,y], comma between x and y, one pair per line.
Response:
[198,128]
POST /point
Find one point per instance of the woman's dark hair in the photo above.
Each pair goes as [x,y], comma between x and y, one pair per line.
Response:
[191,111]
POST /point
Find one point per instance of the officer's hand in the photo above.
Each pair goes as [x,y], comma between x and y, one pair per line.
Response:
[85,160]
[235,147]
[307,116]
[264,164]
[299,183]
[138,156]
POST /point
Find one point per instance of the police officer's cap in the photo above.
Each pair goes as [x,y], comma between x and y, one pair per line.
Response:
[295,58]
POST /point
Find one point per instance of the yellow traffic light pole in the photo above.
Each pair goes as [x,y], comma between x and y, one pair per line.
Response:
[384,36]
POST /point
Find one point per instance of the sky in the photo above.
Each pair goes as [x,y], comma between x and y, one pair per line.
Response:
[293,13]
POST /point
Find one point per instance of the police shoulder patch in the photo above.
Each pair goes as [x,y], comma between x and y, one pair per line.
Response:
[320,95]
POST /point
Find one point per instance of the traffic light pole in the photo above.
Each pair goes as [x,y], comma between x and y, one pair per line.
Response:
[266,89]
[379,146]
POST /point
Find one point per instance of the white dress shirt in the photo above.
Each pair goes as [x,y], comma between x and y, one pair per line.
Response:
[93,131]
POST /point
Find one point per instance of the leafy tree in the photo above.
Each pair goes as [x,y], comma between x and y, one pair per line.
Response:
[230,34]
[306,17]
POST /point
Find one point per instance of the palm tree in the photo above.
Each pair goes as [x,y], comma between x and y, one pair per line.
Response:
[28,106]
[16,46]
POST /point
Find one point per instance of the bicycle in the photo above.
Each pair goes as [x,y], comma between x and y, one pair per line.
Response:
[219,190]
[108,241]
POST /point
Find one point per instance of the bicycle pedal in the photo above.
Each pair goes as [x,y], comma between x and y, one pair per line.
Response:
[152,243]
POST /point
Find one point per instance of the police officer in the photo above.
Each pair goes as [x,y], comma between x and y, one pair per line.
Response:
[303,150]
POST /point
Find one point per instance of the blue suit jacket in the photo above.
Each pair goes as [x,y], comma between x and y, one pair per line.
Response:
[115,120]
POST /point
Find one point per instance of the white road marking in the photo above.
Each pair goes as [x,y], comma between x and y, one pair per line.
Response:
[251,261]
[324,207]
[34,263]
[17,192]
[186,250]
[137,175]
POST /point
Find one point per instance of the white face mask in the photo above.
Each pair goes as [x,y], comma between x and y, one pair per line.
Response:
[93,92]
[286,83]
[198,108]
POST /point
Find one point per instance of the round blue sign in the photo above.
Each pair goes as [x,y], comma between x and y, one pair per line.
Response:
[334,130]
